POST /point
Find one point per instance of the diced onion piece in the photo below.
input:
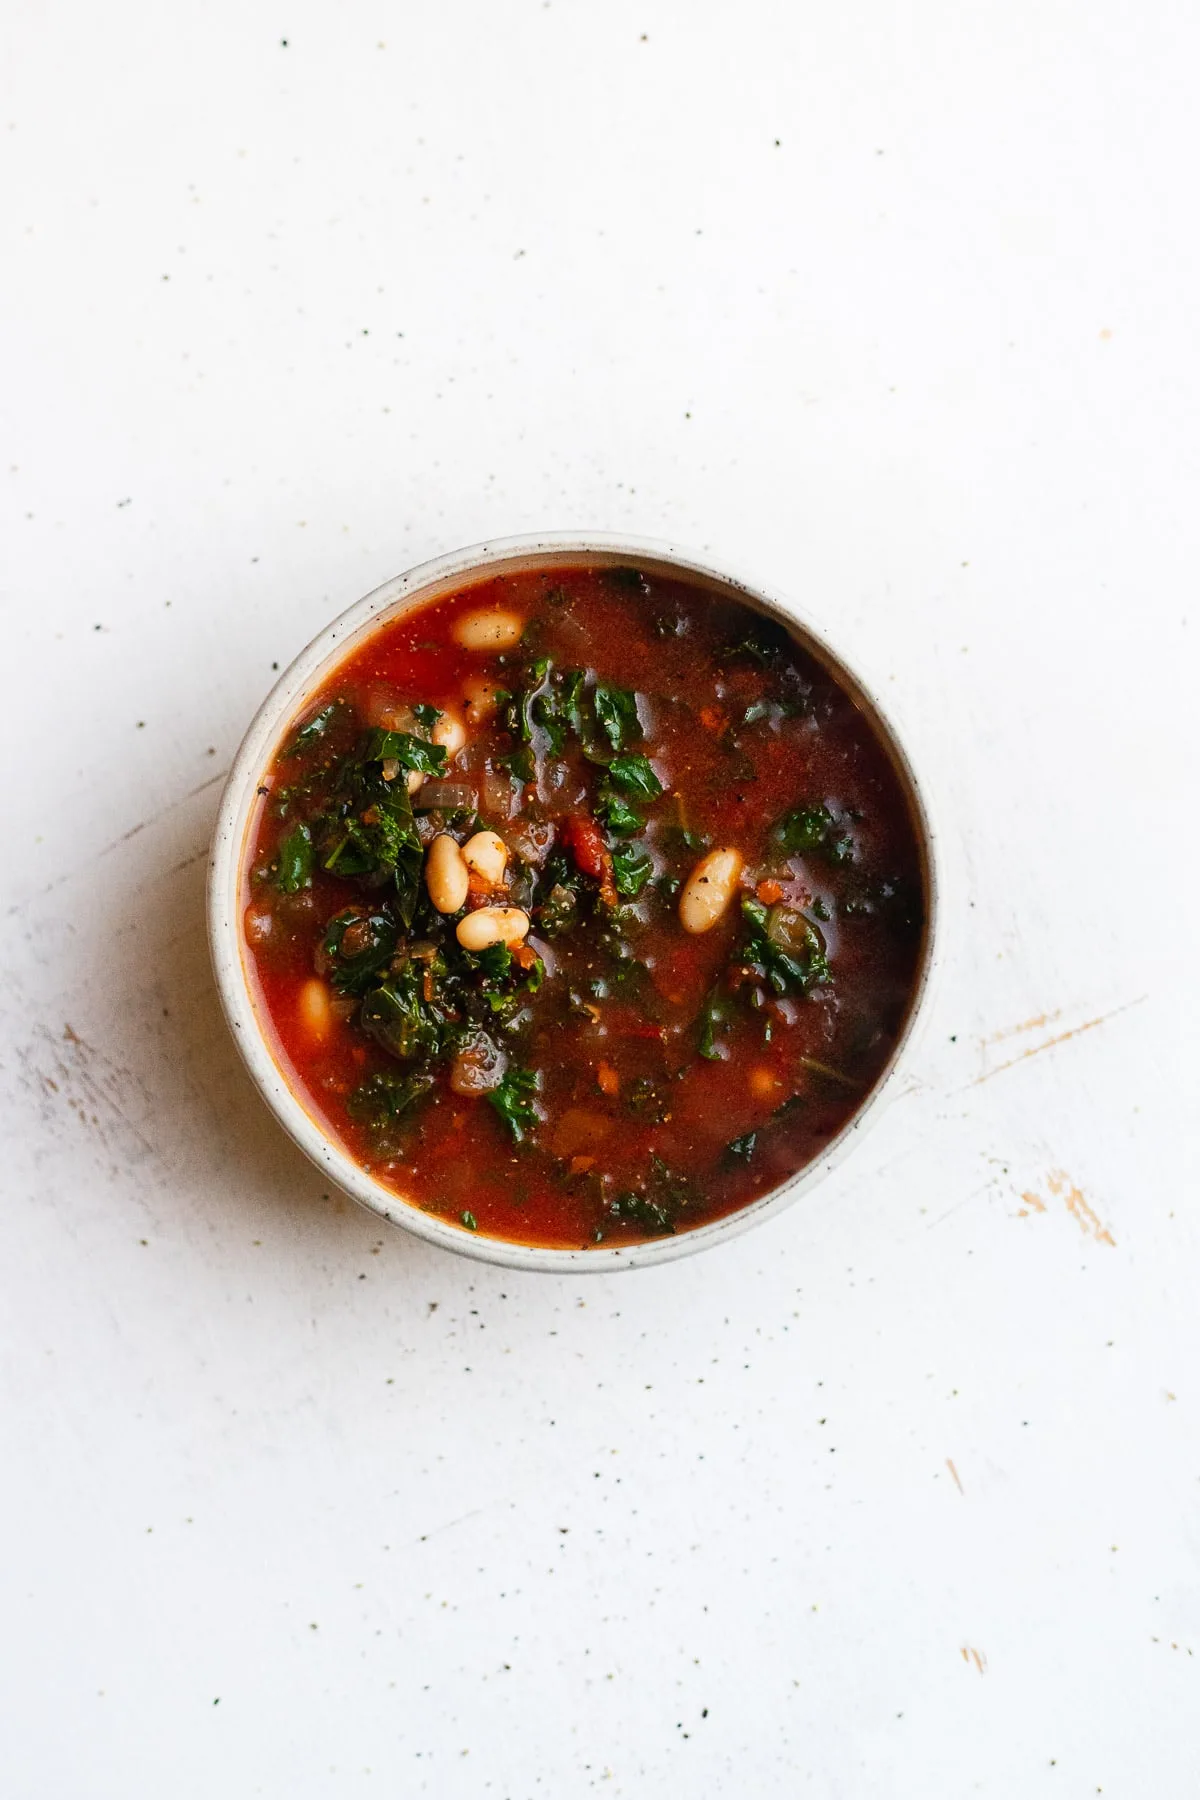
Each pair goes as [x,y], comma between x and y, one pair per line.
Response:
[446,796]
[497,793]
[479,1066]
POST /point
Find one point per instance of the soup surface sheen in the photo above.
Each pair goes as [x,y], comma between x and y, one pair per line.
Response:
[680,945]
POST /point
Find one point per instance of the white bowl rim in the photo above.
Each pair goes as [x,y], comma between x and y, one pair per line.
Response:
[286,699]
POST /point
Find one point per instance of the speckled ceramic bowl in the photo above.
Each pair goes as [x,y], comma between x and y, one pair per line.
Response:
[228,892]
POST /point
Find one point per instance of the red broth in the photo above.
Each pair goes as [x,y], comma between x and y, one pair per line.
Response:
[637,1078]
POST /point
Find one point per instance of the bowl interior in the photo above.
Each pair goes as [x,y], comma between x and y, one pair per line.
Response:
[240,812]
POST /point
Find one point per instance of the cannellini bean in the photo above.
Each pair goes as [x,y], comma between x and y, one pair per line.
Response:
[492,925]
[314,1007]
[709,889]
[415,778]
[480,693]
[491,628]
[446,874]
[450,733]
[487,854]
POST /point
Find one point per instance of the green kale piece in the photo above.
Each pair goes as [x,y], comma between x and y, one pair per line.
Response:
[400,1019]
[368,829]
[632,869]
[635,775]
[615,813]
[783,948]
[651,1217]
[513,1101]
[713,1014]
[383,1099]
[313,729]
[409,751]
[765,643]
[813,829]
[356,946]
[558,911]
[617,715]
[295,860]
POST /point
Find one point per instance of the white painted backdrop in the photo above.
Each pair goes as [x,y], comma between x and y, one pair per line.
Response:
[897,307]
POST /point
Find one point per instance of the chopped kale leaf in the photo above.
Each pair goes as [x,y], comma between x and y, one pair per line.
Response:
[384,1098]
[651,1217]
[295,865]
[765,643]
[617,715]
[558,911]
[741,1149]
[409,751]
[313,729]
[615,813]
[402,1020]
[356,946]
[713,1014]
[632,868]
[635,775]
[513,1101]
[784,948]
[811,829]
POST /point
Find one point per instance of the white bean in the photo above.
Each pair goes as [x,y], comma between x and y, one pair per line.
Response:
[492,925]
[415,780]
[450,733]
[709,889]
[314,1008]
[446,874]
[492,628]
[487,854]
[480,692]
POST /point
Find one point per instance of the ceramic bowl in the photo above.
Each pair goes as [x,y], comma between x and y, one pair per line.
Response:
[227,886]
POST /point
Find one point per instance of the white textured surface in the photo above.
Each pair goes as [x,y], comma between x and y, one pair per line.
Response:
[897,1497]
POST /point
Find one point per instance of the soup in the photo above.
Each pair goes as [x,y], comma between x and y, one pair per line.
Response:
[582,906]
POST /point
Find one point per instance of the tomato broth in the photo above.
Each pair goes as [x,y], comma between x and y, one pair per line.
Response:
[584,906]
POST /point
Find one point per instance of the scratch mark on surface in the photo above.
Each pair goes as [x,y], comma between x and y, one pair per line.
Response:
[161,814]
[450,1524]
[951,1210]
[958,1484]
[970,1655]
[1059,1182]
[1062,1038]
[188,861]
[21,906]
[1046,1018]
[102,1094]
